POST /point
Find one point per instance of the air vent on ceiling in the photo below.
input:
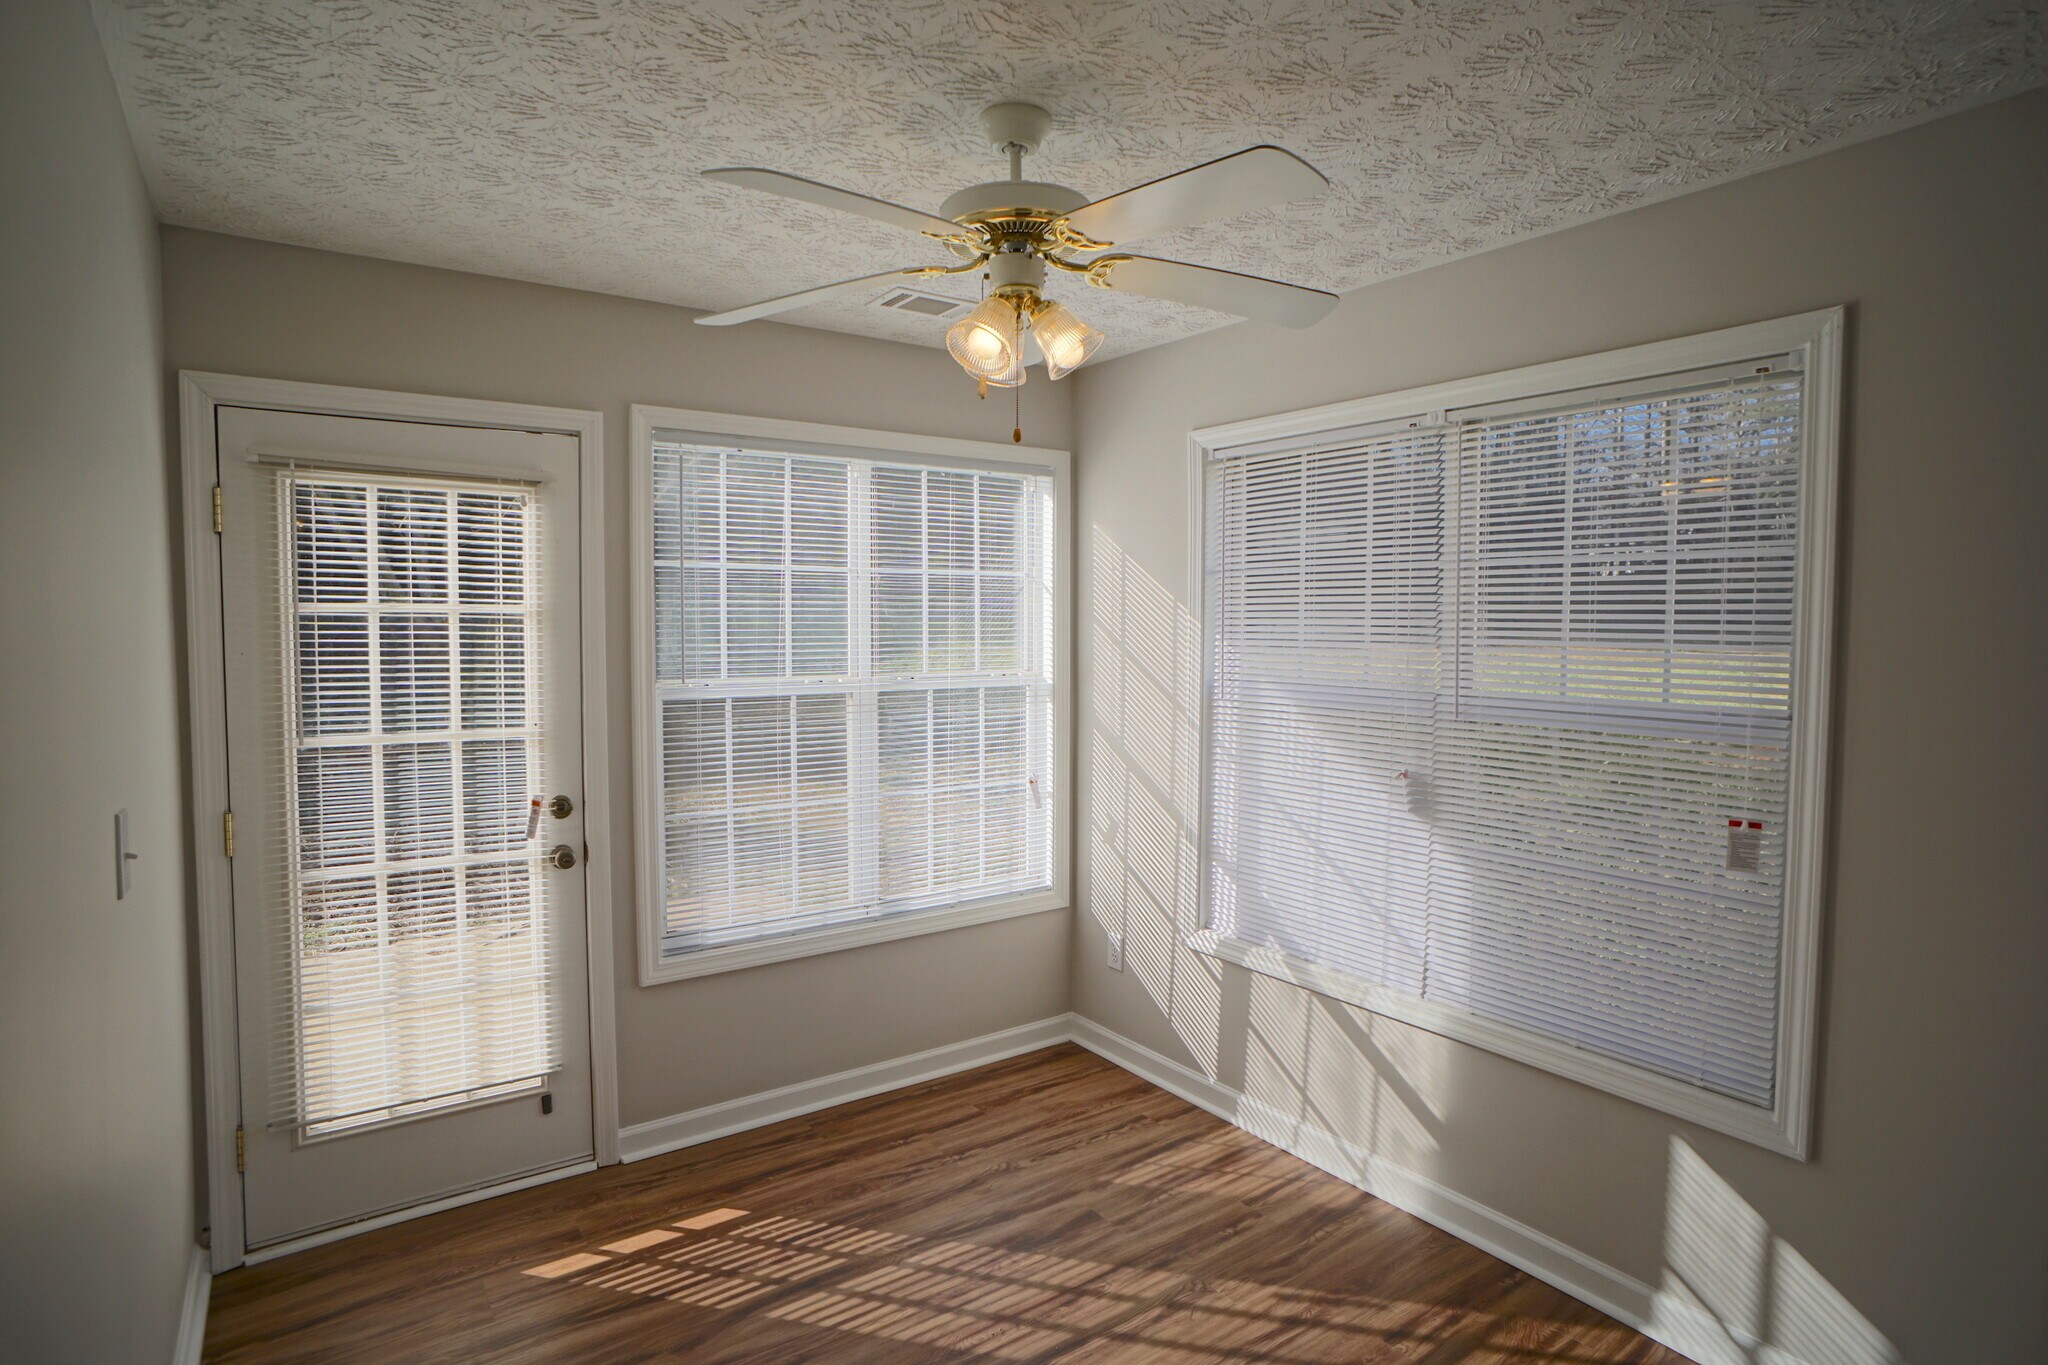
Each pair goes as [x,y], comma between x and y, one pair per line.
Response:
[921,303]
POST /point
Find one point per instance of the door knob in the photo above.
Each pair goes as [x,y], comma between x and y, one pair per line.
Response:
[562,856]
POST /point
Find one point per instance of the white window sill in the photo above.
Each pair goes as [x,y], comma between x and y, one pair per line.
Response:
[1775,1129]
[736,956]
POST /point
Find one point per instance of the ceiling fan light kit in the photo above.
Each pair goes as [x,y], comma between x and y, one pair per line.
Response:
[988,342]
[1013,230]
[1066,341]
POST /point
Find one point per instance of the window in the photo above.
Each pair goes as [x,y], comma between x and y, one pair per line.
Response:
[1515,696]
[851,712]
[417,908]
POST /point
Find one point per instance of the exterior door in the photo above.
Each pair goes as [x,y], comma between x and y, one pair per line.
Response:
[405,766]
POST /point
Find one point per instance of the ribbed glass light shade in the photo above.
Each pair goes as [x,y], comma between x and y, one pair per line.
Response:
[987,342]
[1016,373]
[1066,340]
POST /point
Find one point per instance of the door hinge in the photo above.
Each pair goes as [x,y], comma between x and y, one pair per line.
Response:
[241,1151]
[216,509]
[227,833]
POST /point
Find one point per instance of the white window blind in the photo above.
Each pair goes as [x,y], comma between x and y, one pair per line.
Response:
[853,686]
[418,972]
[1500,713]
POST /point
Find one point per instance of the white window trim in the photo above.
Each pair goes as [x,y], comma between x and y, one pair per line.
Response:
[1814,342]
[733,429]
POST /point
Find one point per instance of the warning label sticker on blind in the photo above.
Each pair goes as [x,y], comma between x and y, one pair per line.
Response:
[1745,845]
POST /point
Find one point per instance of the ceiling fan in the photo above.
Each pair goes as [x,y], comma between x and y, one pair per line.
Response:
[1013,229]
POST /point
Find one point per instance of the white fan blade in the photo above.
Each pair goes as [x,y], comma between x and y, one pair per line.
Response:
[830,197]
[769,307]
[1256,178]
[1248,296]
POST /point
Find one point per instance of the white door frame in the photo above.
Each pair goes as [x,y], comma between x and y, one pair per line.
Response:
[199,395]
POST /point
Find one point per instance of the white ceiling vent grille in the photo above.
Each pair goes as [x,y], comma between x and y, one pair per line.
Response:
[923,304]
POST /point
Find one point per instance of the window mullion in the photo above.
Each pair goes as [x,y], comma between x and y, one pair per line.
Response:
[864,725]
[457,776]
[787,658]
[373,590]
[1450,657]
[725,466]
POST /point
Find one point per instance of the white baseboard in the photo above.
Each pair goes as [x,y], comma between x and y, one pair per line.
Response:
[643,1140]
[192,1316]
[1683,1326]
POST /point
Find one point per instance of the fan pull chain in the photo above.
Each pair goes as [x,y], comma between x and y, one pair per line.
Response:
[981,381]
[1017,392]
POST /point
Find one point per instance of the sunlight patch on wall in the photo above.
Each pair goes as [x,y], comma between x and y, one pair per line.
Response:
[1766,1303]
[1395,1116]
[1311,1062]
[1716,1248]
[1142,799]
[1140,821]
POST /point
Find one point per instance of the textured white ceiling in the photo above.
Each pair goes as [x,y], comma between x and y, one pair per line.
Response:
[559,140]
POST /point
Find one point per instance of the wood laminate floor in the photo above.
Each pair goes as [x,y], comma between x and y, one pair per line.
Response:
[1051,1208]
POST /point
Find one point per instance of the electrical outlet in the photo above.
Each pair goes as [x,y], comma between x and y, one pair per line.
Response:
[1116,952]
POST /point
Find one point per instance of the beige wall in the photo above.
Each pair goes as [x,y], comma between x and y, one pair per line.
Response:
[1921,1217]
[255,308]
[96,1159]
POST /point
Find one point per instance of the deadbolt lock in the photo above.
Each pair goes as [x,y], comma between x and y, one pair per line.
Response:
[562,856]
[561,807]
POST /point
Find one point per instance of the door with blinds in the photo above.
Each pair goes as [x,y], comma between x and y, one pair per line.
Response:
[405,758]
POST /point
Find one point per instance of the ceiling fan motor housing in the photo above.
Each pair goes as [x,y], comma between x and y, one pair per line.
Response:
[1016,272]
